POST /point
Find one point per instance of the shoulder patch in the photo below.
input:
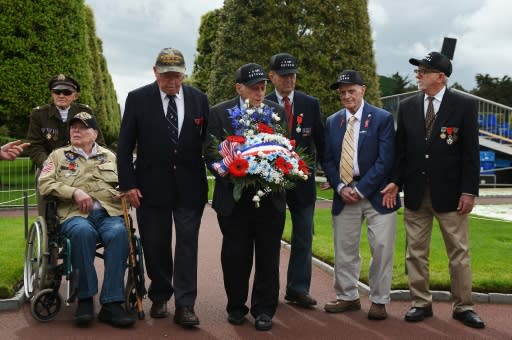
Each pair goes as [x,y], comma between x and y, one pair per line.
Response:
[39,108]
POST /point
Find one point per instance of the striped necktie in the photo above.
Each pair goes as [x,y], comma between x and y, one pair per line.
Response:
[289,114]
[172,118]
[429,117]
[347,153]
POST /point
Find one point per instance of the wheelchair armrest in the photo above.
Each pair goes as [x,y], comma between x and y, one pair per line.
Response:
[51,218]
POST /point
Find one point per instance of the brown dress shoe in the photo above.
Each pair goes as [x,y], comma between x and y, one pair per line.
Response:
[377,312]
[185,316]
[340,306]
[159,310]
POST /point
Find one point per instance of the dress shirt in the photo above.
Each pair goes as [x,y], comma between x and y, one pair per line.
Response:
[436,102]
[180,105]
[357,125]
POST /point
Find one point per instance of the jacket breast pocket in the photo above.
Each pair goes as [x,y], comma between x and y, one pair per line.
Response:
[107,172]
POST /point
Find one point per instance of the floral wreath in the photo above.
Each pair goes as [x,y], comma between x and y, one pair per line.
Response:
[259,154]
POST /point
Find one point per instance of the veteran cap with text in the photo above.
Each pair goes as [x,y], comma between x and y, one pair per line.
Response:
[435,61]
[170,60]
[283,63]
[86,118]
[250,74]
[62,82]
[347,77]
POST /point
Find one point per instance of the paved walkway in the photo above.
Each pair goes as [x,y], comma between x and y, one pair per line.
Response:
[289,323]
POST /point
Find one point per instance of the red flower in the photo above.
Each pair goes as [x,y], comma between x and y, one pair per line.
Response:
[199,121]
[283,165]
[264,128]
[303,167]
[236,139]
[292,142]
[449,130]
[238,167]
[71,166]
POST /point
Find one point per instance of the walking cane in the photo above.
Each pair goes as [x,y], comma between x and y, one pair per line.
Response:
[132,260]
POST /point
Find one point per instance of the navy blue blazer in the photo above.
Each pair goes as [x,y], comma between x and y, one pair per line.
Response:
[310,139]
[451,166]
[162,172]
[375,154]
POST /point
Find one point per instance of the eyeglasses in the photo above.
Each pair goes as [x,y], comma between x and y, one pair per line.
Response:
[423,71]
[64,92]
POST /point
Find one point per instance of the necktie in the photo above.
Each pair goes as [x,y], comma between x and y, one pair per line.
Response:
[429,117]
[347,153]
[172,118]
[289,114]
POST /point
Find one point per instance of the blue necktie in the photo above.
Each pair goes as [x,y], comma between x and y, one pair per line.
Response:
[172,118]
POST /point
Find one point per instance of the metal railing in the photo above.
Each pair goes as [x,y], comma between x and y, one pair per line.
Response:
[495,122]
[494,118]
[17,183]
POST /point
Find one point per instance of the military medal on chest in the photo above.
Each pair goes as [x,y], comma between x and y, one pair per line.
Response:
[443,133]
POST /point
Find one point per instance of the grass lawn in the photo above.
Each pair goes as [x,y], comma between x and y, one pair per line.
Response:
[12,240]
[490,251]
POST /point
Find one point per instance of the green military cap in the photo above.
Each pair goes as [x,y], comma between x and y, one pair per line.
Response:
[62,82]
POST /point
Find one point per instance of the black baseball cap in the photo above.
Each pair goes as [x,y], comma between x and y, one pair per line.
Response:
[435,61]
[86,118]
[250,74]
[283,63]
[347,77]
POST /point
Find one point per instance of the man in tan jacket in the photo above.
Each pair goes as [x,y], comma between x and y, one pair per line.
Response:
[83,176]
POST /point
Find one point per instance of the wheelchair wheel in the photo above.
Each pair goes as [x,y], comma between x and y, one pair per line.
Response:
[46,305]
[36,259]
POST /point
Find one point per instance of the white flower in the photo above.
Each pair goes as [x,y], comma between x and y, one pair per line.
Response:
[298,129]
[260,193]
[256,198]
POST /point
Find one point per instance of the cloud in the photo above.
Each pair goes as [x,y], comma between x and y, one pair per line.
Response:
[133,32]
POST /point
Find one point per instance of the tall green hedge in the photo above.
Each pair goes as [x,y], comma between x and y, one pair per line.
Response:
[326,36]
[39,40]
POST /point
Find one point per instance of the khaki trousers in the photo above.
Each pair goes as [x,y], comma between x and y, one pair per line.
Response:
[347,264]
[454,228]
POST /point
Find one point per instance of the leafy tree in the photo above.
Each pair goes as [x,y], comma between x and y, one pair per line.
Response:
[326,36]
[205,47]
[104,96]
[493,88]
[458,87]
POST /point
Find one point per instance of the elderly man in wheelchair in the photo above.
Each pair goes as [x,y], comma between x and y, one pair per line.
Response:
[83,177]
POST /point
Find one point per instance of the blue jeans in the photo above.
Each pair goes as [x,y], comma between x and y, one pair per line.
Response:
[84,233]
[299,267]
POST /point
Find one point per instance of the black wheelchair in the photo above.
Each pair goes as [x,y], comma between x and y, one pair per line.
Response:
[48,259]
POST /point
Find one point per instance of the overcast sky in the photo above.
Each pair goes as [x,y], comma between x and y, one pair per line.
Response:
[133,32]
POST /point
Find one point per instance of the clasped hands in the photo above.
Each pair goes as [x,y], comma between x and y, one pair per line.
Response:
[349,195]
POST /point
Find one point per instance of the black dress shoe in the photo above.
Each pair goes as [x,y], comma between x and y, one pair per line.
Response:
[418,313]
[115,315]
[159,310]
[469,318]
[236,318]
[185,316]
[263,322]
[84,312]
[301,299]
